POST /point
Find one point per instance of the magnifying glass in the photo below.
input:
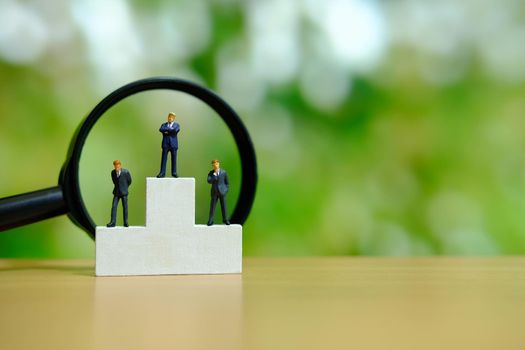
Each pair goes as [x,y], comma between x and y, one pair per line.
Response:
[66,198]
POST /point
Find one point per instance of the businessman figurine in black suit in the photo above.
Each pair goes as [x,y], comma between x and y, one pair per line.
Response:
[170,144]
[218,178]
[122,180]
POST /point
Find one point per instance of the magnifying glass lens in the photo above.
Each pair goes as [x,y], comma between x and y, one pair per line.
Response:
[129,132]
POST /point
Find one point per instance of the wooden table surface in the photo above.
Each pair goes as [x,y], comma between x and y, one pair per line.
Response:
[304,303]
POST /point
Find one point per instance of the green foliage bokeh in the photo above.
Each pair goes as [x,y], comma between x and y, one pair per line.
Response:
[420,155]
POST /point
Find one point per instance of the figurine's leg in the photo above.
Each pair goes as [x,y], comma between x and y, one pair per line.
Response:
[125,209]
[213,204]
[173,162]
[223,209]
[163,159]
[113,211]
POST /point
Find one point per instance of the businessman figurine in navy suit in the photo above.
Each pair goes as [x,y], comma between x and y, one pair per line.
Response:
[122,180]
[170,144]
[218,178]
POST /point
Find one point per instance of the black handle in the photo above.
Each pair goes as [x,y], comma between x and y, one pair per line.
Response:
[31,207]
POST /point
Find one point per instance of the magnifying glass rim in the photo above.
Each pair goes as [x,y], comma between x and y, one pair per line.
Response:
[69,177]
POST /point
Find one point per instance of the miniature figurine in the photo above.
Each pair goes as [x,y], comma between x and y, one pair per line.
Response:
[218,178]
[170,144]
[122,180]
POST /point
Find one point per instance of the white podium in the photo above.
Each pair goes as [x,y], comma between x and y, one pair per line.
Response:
[170,243]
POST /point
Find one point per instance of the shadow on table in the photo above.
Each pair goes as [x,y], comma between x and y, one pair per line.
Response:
[73,267]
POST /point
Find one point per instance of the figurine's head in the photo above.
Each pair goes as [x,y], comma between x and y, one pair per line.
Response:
[171,117]
[215,164]
[117,165]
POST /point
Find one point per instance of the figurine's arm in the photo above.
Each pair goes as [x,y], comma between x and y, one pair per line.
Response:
[211,178]
[129,178]
[113,178]
[167,131]
[174,131]
[226,180]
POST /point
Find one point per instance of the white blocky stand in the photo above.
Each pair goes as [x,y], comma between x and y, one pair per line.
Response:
[170,243]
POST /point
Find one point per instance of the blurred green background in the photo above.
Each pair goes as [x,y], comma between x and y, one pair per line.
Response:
[381,127]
